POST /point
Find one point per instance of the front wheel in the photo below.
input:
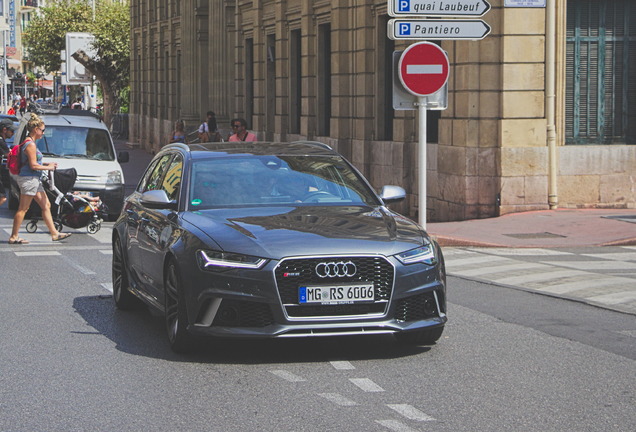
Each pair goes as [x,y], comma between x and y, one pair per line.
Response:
[124,299]
[32,226]
[420,337]
[176,312]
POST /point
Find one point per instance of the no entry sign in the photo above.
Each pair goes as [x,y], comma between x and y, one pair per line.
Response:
[423,68]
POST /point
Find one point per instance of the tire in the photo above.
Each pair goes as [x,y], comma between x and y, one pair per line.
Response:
[124,299]
[420,337]
[31,226]
[181,341]
[92,228]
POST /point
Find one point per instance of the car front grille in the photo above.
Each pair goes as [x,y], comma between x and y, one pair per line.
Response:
[417,307]
[296,272]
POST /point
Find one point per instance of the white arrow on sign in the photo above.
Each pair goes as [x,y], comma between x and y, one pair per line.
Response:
[438,7]
[403,29]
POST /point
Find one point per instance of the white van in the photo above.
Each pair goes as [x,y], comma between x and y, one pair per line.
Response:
[79,139]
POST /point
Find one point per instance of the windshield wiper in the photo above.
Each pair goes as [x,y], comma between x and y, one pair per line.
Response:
[77,155]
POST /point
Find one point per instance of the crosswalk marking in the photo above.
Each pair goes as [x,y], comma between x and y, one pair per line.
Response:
[506,268]
[410,412]
[596,265]
[342,365]
[37,253]
[288,376]
[367,385]
[395,425]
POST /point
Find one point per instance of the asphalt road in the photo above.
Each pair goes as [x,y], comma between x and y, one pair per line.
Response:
[509,360]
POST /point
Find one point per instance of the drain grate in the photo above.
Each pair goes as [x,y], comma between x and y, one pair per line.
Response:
[542,235]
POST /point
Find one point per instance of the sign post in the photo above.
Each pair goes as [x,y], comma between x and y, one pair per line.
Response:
[423,70]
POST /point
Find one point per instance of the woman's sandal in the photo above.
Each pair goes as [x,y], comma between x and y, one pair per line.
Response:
[62,236]
[19,241]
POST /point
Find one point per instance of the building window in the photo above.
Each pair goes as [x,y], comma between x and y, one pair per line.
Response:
[324,80]
[601,72]
[295,80]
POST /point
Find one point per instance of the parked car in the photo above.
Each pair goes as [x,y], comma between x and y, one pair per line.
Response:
[266,240]
[79,139]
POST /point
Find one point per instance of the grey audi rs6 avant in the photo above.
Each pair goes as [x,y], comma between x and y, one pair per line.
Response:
[273,240]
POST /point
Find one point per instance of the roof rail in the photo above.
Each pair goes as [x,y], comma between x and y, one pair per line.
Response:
[182,146]
[314,143]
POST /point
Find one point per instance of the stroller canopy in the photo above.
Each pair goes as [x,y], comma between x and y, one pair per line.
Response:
[65,179]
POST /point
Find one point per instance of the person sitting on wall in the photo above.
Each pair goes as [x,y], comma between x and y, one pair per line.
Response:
[239,126]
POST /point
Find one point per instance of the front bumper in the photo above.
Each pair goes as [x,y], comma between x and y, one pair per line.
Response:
[250,304]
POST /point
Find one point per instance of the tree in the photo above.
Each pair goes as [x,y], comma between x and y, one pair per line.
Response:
[45,38]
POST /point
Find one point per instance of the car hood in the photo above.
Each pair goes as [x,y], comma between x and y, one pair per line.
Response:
[89,171]
[307,230]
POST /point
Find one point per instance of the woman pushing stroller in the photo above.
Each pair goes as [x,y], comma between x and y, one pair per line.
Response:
[30,184]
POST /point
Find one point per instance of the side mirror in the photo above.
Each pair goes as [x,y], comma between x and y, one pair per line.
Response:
[157,199]
[123,157]
[392,194]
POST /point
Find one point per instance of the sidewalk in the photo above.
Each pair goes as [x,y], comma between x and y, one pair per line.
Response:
[560,228]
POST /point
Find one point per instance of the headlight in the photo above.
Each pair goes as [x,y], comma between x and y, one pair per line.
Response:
[425,254]
[114,177]
[215,261]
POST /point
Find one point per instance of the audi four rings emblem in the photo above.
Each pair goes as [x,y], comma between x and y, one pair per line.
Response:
[336,269]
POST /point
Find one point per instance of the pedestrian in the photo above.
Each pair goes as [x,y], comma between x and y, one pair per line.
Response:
[6,131]
[23,105]
[239,126]
[11,110]
[30,183]
[208,129]
[178,134]
[78,104]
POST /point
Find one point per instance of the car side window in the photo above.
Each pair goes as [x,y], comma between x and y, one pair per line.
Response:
[172,180]
[154,180]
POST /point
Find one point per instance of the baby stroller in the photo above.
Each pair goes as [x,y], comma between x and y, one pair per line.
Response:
[67,208]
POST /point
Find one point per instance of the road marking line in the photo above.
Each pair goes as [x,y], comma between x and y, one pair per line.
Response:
[614,298]
[77,267]
[507,268]
[106,251]
[618,256]
[365,384]
[520,252]
[410,412]
[594,265]
[589,281]
[395,425]
[287,375]
[536,277]
[338,399]
[342,365]
[108,286]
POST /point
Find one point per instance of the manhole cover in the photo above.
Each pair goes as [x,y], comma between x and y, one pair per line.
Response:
[534,235]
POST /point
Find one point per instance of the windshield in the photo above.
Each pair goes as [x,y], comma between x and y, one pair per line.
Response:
[273,180]
[76,142]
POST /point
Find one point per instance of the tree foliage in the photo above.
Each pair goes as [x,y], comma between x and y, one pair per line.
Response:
[45,38]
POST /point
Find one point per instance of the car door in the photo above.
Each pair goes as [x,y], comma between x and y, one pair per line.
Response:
[159,226]
[136,220]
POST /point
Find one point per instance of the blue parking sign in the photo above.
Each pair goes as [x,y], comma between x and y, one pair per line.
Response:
[404,29]
[404,6]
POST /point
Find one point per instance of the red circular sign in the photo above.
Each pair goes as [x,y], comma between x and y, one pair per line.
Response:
[423,68]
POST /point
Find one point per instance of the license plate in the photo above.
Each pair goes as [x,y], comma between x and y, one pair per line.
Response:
[340,294]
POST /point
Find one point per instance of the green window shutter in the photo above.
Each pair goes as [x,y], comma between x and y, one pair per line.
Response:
[601,72]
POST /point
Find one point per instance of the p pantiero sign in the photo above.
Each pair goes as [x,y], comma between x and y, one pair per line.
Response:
[423,68]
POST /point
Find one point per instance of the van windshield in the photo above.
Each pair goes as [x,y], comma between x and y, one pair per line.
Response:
[76,142]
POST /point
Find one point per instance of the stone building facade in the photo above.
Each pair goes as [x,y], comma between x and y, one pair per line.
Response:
[539,115]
